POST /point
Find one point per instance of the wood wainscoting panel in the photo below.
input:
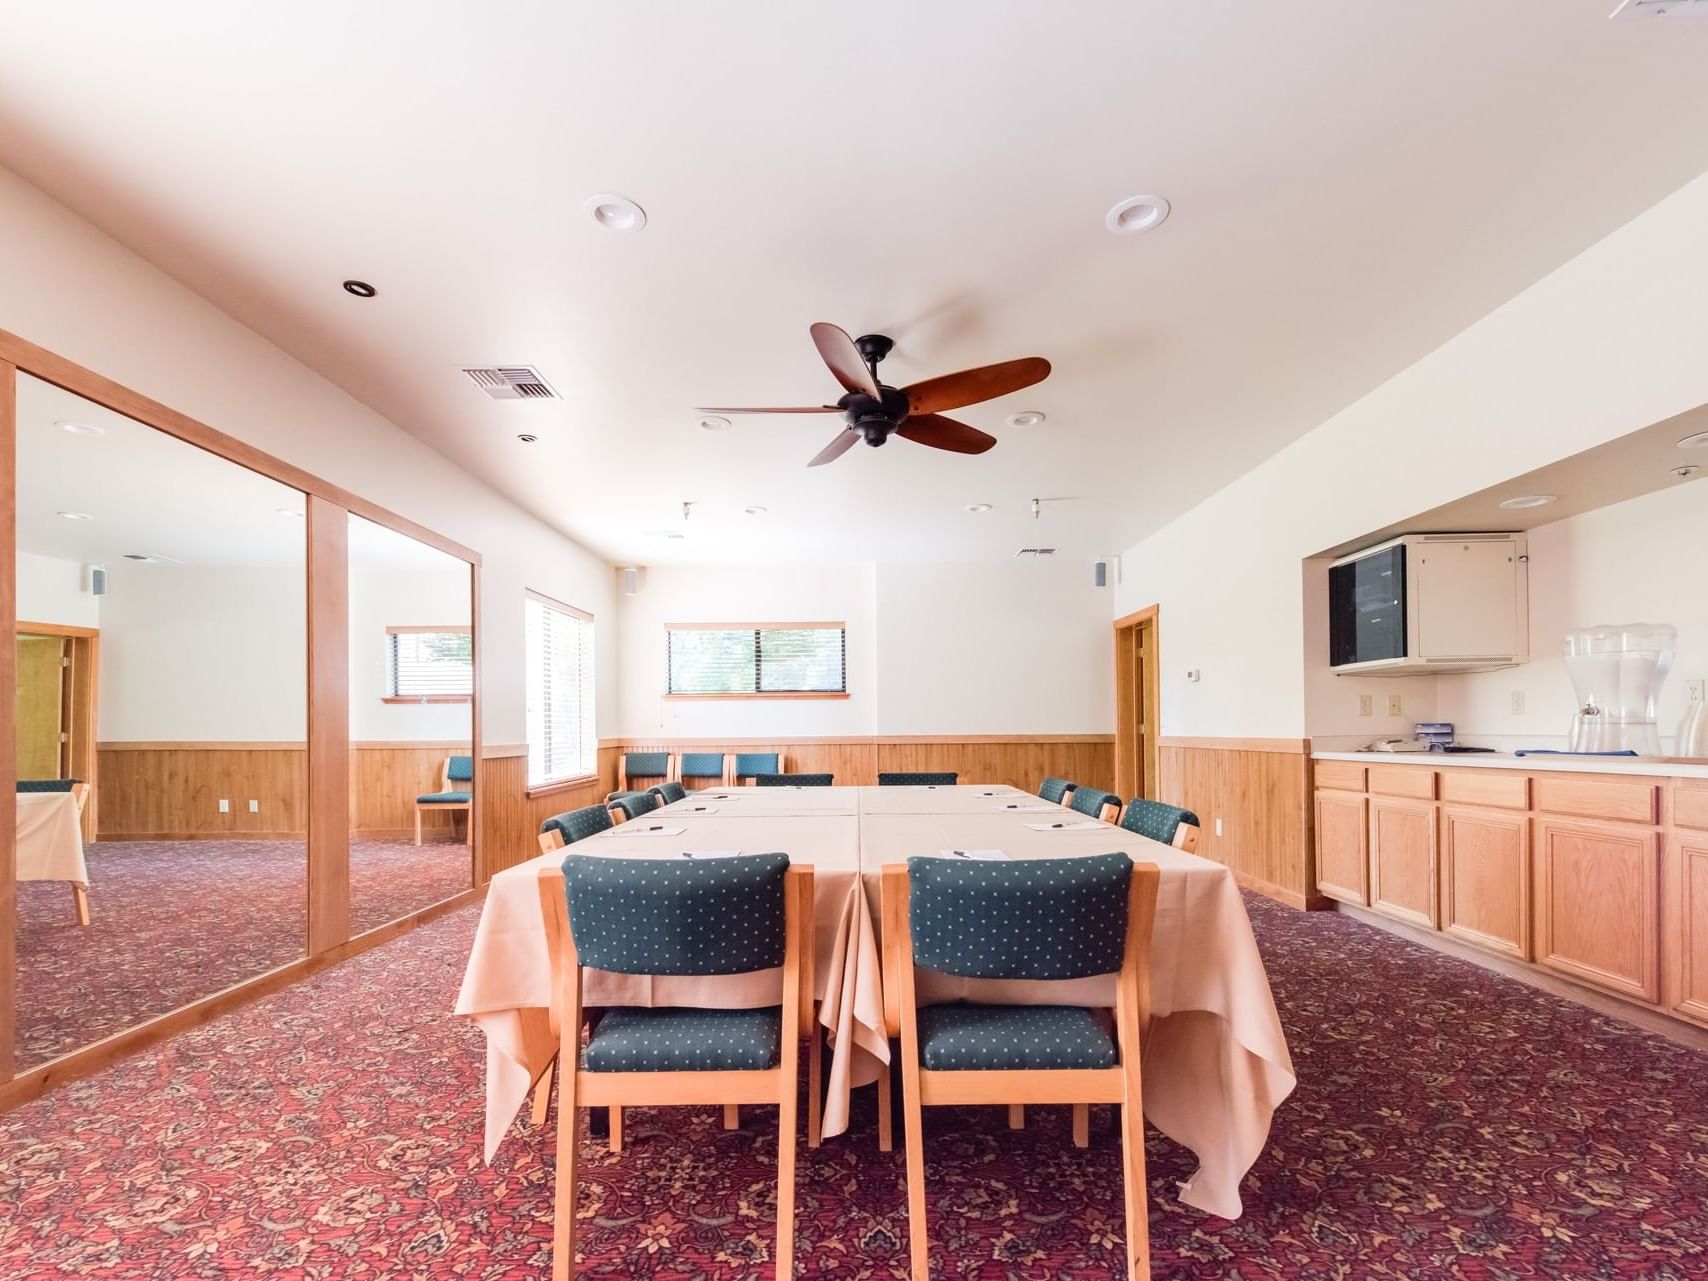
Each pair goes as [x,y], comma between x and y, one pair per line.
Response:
[172,791]
[510,819]
[385,779]
[1022,763]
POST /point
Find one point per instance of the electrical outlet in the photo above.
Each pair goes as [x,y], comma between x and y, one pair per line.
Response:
[1366,704]
[224,806]
[1218,827]
[1696,690]
[1518,702]
[254,807]
[1395,706]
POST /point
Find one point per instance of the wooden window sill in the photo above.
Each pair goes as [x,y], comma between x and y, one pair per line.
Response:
[428,698]
[561,785]
[710,697]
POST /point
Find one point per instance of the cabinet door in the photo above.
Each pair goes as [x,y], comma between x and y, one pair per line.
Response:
[1687,925]
[1342,870]
[1402,859]
[1598,904]
[1485,878]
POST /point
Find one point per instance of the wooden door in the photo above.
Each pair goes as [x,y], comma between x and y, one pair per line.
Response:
[1136,700]
[1687,926]
[1343,871]
[1403,876]
[41,706]
[1485,878]
[1597,905]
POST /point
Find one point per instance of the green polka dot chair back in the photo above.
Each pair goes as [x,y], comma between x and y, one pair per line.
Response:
[634,806]
[701,765]
[460,769]
[578,825]
[793,780]
[917,780]
[646,764]
[680,917]
[668,793]
[1041,918]
[1053,789]
[1156,820]
[1089,800]
[747,764]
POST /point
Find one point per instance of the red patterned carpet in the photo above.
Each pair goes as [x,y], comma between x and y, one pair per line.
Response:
[172,921]
[1448,1123]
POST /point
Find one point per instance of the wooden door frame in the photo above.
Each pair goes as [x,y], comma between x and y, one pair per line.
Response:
[328,689]
[82,707]
[1136,764]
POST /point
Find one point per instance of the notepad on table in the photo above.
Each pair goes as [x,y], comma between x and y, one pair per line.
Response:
[982,856]
[1035,807]
[1069,825]
[711,853]
[647,829]
[696,809]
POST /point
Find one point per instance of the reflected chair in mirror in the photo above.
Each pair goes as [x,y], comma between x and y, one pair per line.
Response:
[708,769]
[79,791]
[652,917]
[750,764]
[1056,790]
[1162,822]
[457,769]
[668,793]
[904,779]
[572,826]
[1095,803]
[793,780]
[632,806]
[1029,920]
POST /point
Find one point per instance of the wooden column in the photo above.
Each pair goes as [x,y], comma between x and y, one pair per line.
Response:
[8,713]
[328,725]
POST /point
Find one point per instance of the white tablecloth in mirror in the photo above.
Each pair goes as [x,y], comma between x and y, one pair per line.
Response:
[50,838]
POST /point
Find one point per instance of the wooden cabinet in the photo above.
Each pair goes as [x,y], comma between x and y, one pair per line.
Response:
[1597,905]
[1687,926]
[1343,871]
[1485,878]
[1402,859]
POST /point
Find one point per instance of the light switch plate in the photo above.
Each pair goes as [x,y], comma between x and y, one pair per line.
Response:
[1518,702]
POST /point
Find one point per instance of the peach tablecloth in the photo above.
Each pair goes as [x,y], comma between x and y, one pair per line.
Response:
[1216,1064]
[506,988]
[50,838]
[784,802]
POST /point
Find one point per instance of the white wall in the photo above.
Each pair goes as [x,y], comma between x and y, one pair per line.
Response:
[1636,561]
[50,590]
[1005,648]
[1609,343]
[74,290]
[401,598]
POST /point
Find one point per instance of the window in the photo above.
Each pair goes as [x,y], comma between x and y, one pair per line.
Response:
[559,644]
[429,664]
[733,660]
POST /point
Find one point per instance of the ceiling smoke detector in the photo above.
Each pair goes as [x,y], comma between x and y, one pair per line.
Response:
[511,382]
[1034,553]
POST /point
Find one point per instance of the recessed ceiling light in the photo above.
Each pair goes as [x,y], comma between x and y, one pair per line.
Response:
[1528,500]
[527,438]
[288,511]
[1030,418]
[359,288]
[76,515]
[978,508]
[1136,214]
[714,422]
[755,511]
[1698,441]
[615,213]
[80,429]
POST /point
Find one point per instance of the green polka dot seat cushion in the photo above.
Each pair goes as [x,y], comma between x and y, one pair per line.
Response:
[668,793]
[1156,820]
[1041,918]
[917,780]
[683,1040]
[1012,1038]
[1090,800]
[578,825]
[1053,789]
[687,917]
[445,798]
[636,805]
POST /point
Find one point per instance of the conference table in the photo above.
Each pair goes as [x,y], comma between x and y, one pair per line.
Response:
[1216,1063]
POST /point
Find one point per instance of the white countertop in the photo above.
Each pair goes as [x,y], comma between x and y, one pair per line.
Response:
[1505,760]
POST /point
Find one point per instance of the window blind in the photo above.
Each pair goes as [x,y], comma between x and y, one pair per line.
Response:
[430,662]
[561,739]
[803,658]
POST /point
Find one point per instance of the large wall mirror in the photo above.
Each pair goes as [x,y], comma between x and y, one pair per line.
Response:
[160,723]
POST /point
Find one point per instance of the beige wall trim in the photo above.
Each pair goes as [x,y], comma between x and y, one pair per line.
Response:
[858,740]
[494,750]
[287,745]
[1290,746]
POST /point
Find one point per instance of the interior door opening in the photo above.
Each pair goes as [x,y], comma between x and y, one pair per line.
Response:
[1137,704]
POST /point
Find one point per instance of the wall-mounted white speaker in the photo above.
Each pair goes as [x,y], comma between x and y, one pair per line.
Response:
[95,580]
[1100,573]
[631,581]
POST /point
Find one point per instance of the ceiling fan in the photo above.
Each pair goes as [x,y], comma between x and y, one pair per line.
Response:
[873,411]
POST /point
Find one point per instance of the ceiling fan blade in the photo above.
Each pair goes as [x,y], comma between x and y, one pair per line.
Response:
[843,357]
[836,448]
[793,409]
[970,386]
[945,433]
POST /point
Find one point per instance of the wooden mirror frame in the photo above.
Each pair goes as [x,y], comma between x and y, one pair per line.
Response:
[329,508]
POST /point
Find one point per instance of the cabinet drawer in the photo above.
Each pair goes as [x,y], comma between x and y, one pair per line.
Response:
[1494,788]
[1690,804]
[1629,800]
[1403,780]
[1341,776]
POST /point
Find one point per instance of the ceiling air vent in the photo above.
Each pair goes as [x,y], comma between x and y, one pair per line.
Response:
[1637,9]
[511,382]
[1035,553]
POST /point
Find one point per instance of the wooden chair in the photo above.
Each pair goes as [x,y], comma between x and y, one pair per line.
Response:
[1055,790]
[794,780]
[668,793]
[633,805]
[650,916]
[1095,803]
[747,765]
[634,766]
[702,766]
[457,769]
[905,779]
[957,1055]
[572,826]
[1162,822]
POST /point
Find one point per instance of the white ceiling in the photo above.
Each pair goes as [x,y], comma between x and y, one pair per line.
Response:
[1353,183]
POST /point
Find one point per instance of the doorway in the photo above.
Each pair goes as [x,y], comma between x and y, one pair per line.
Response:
[56,692]
[1137,707]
